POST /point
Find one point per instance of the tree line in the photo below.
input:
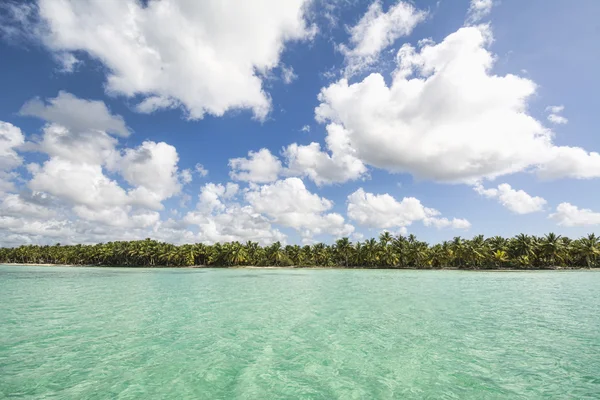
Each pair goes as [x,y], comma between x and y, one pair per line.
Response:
[389,251]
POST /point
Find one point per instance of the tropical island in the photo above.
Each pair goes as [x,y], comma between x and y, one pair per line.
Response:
[388,251]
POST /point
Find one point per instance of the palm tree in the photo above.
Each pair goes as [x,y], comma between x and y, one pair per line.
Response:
[307,255]
[458,251]
[401,245]
[388,257]
[321,254]
[500,258]
[275,254]
[294,253]
[343,248]
[370,250]
[552,247]
[238,254]
[522,245]
[522,251]
[359,256]
[588,248]
[385,238]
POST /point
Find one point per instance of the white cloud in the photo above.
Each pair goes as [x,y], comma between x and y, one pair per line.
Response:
[554,115]
[555,109]
[570,215]
[570,162]
[76,191]
[15,206]
[90,147]
[152,169]
[305,128]
[77,196]
[48,229]
[287,202]
[479,9]
[377,30]
[517,201]
[287,74]
[156,103]
[118,216]
[75,170]
[557,119]
[76,114]
[259,167]
[211,195]
[186,176]
[200,170]
[454,223]
[68,62]
[220,219]
[338,165]
[383,211]
[11,138]
[235,223]
[446,118]
[208,56]
[81,184]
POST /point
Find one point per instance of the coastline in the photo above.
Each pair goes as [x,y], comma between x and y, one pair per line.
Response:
[269,267]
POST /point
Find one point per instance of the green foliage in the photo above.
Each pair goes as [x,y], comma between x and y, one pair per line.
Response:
[522,252]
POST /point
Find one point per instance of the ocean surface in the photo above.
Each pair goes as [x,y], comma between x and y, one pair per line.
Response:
[116,333]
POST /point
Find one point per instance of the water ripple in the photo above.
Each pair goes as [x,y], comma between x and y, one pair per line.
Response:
[222,334]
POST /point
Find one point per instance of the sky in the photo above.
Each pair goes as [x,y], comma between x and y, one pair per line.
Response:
[297,121]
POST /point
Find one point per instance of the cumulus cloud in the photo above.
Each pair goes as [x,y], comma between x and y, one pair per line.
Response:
[73,200]
[90,147]
[259,167]
[569,162]
[209,56]
[479,9]
[78,163]
[382,211]
[446,117]
[156,103]
[220,218]
[557,119]
[76,190]
[555,109]
[287,74]
[200,170]
[212,194]
[90,189]
[377,30]
[76,114]
[152,170]
[78,183]
[287,202]
[554,115]
[338,164]
[569,215]
[119,216]
[53,230]
[11,138]
[335,164]
[16,206]
[186,176]
[517,201]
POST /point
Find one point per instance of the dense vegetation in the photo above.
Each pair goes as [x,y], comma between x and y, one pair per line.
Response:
[389,251]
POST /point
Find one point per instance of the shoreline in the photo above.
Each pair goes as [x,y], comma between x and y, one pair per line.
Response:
[304,267]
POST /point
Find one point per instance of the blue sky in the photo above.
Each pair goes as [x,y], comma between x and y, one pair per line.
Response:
[437,115]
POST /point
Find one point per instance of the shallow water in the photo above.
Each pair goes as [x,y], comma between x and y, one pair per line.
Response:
[99,333]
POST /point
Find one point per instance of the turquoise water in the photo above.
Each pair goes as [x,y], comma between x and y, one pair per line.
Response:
[99,333]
